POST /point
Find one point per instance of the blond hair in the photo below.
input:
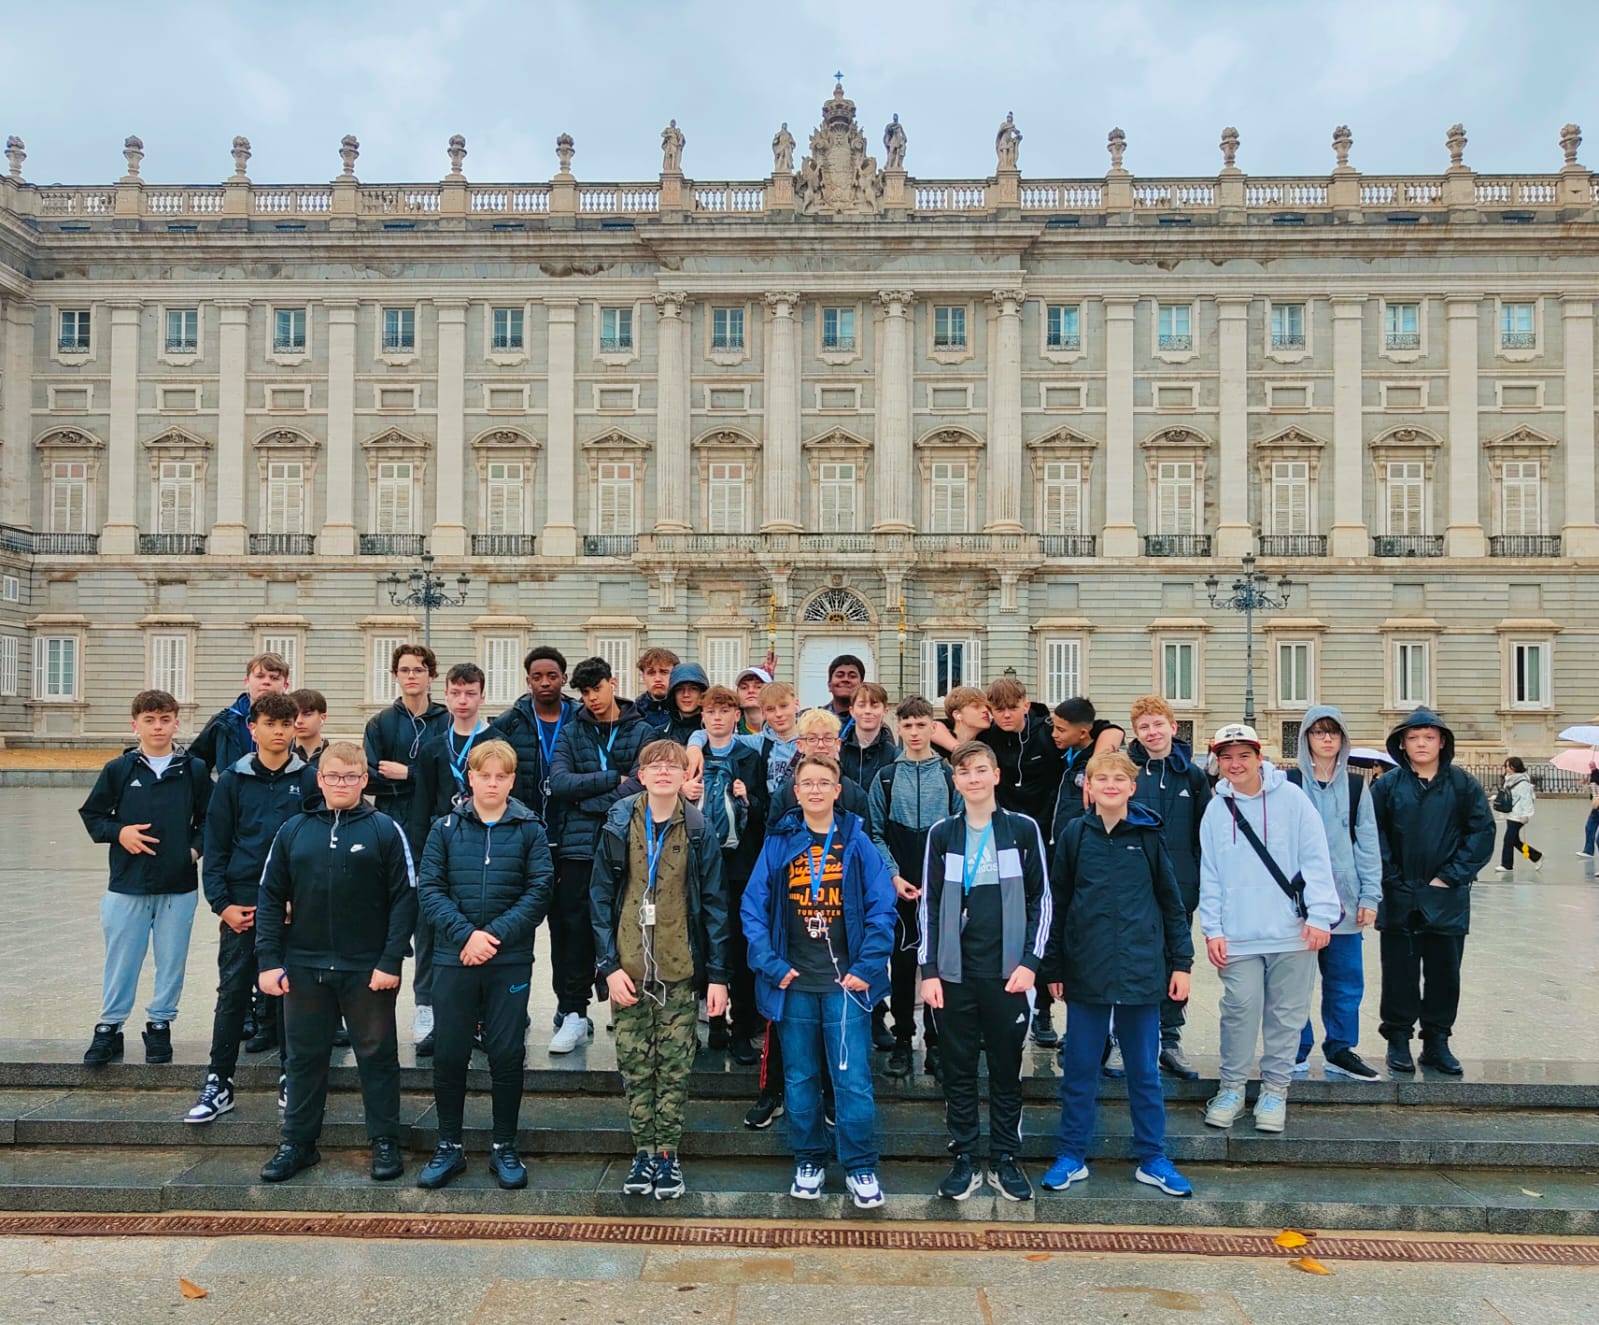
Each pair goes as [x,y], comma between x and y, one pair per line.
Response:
[818,722]
[346,752]
[1111,761]
[502,751]
[962,696]
[776,692]
[663,752]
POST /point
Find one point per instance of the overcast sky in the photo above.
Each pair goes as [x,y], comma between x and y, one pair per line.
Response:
[403,76]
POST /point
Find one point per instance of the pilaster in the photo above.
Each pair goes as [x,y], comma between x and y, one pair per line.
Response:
[16,390]
[1233,535]
[1120,537]
[448,538]
[1349,535]
[120,537]
[338,536]
[782,456]
[1005,416]
[230,535]
[1464,535]
[1581,533]
[672,504]
[894,472]
[559,535]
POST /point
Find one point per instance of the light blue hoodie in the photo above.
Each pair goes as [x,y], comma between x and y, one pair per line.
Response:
[1238,899]
[1357,865]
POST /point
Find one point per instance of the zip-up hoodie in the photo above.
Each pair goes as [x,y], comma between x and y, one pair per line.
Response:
[865,764]
[657,713]
[587,778]
[250,803]
[398,734]
[1178,791]
[1522,797]
[519,725]
[1238,899]
[349,877]
[680,726]
[1356,865]
[868,911]
[495,877]
[1030,767]
[174,805]
[904,801]
[1026,908]
[226,739]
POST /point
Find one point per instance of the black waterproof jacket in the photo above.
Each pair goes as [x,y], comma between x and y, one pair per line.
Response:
[1178,791]
[248,807]
[174,805]
[226,739]
[863,766]
[397,734]
[1030,767]
[592,771]
[495,878]
[435,788]
[519,725]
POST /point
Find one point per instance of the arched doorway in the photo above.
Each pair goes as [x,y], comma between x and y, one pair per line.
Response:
[834,621]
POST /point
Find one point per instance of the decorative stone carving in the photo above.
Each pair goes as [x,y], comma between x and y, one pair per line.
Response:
[672,141]
[506,438]
[1570,141]
[133,150]
[1342,141]
[1116,145]
[1229,148]
[783,151]
[838,175]
[66,438]
[1008,142]
[564,147]
[15,155]
[286,439]
[241,157]
[349,149]
[456,152]
[894,145]
[1456,140]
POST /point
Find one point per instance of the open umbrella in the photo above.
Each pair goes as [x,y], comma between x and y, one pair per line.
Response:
[1576,761]
[1585,735]
[1363,756]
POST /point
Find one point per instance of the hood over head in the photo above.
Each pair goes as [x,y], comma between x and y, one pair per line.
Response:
[1314,714]
[1421,717]
[687,674]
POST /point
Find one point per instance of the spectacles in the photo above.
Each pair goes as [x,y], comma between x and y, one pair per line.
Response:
[342,779]
[820,740]
[812,785]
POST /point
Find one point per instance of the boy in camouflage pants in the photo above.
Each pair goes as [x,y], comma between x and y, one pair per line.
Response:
[659,906]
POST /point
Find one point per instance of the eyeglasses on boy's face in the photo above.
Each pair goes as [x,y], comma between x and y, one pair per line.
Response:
[341,779]
[815,784]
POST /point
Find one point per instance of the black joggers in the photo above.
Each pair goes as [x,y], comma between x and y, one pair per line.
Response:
[904,972]
[311,1011]
[979,1014]
[572,937]
[495,995]
[1407,957]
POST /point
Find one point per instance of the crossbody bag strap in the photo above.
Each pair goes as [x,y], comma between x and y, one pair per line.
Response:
[1294,895]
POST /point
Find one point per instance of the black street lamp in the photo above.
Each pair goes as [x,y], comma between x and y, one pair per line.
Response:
[422,588]
[1249,594]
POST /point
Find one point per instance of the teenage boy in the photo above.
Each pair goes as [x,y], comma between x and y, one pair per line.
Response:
[1079,734]
[350,861]
[1267,905]
[905,800]
[592,769]
[966,718]
[816,731]
[868,746]
[684,694]
[655,679]
[819,916]
[484,887]
[1351,827]
[659,911]
[225,739]
[1176,789]
[985,921]
[748,687]
[776,744]
[844,674]
[395,737]
[1437,834]
[1121,945]
[733,801]
[310,715]
[148,805]
[532,725]
[252,800]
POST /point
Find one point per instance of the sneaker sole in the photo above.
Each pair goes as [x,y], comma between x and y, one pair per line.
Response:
[866,1202]
[805,1193]
[1333,1070]
[1220,1122]
[761,1127]
[670,1194]
[1009,1196]
[210,1117]
[977,1181]
[1081,1175]
[434,1184]
[1149,1181]
[1271,1125]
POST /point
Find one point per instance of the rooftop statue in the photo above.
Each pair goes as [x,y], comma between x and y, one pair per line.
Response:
[838,175]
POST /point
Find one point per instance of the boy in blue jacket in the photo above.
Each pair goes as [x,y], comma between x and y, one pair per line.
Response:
[819,916]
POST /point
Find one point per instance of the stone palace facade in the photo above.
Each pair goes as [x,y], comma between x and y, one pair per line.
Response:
[963,428]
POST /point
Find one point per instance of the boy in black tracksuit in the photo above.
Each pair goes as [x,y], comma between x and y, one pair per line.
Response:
[985,922]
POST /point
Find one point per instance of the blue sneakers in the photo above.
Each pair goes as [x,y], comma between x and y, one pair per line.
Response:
[1161,1172]
[1060,1175]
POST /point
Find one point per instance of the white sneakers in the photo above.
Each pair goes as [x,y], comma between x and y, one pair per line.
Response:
[807,1185]
[1223,1108]
[1271,1111]
[864,1190]
[575,1029]
[422,1026]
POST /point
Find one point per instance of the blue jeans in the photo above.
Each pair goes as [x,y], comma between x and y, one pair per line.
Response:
[1590,829]
[831,1029]
[129,922]
[1343,983]
[1138,1031]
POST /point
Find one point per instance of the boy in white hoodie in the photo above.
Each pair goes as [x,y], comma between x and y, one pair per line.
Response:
[1261,939]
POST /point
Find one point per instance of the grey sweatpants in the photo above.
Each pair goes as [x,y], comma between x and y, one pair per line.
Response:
[1270,995]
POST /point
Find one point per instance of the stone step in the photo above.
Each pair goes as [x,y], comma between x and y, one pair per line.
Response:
[1319,1134]
[1457,1200]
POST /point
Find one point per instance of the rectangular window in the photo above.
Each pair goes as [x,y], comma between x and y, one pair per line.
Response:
[1517,329]
[169,665]
[838,329]
[947,498]
[725,500]
[1406,485]
[10,588]
[615,497]
[949,327]
[74,331]
[183,330]
[8,664]
[1063,498]
[836,499]
[1293,674]
[502,658]
[1063,670]
[724,658]
[1402,327]
[1174,497]
[504,498]
[616,330]
[1411,685]
[1290,497]
[285,497]
[618,651]
[727,328]
[1062,330]
[69,497]
[1529,681]
[175,498]
[507,329]
[1176,330]
[286,647]
[1178,670]
[399,330]
[1521,497]
[394,492]
[384,687]
[288,331]
[950,663]
[55,667]
[1288,326]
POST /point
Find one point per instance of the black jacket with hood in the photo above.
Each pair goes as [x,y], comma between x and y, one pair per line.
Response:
[519,725]
[592,770]
[399,735]
[250,803]
[174,805]
[1029,767]
[680,726]
[1178,791]
[495,877]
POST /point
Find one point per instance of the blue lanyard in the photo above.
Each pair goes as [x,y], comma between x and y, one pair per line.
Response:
[818,868]
[605,754]
[548,747]
[653,845]
[843,734]
[971,864]
[458,761]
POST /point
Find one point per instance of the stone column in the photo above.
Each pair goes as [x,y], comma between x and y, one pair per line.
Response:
[672,506]
[895,476]
[120,536]
[448,538]
[1464,535]
[1580,531]
[559,535]
[17,462]
[1121,449]
[1349,535]
[1005,417]
[338,538]
[782,454]
[230,535]
[1234,537]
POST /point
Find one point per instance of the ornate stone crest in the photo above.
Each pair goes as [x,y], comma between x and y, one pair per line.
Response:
[838,175]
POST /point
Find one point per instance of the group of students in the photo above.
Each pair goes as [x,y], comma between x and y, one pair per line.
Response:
[797,878]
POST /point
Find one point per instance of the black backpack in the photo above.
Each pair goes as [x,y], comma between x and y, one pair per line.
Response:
[1357,785]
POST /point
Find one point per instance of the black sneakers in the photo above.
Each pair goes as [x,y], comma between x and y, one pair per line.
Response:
[158,1041]
[506,1166]
[1044,1034]
[640,1180]
[1175,1061]
[1005,1176]
[106,1045]
[744,1052]
[1347,1063]
[1435,1054]
[962,1180]
[768,1105]
[933,1063]
[1399,1059]
[290,1159]
[387,1163]
[669,1184]
[265,1037]
[449,1161]
[899,1062]
[882,1038]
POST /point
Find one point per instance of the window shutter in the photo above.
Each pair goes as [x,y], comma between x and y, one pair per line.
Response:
[8,664]
[285,498]
[287,647]
[384,686]
[724,658]
[618,651]
[169,664]
[1062,669]
[500,659]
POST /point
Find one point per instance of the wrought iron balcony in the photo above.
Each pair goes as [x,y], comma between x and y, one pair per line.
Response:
[392,545]
[171,545]
[1068,545]
[16,539]
[502,545]
[610,545]
[288,345]
[66,544]
[1176,343]
[182,345]
[728,343]
[399,344]
[71,345]
[616,344]
[1060,340]
[506,344]
[282,545]
[1524,545]
[1403,340]
[951,341]
[1407,545]
[1176,545]
[1289,341]
[1518,340]
[1293,545]
[839,344]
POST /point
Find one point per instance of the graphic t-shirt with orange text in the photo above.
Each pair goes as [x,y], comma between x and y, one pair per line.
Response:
[814,925]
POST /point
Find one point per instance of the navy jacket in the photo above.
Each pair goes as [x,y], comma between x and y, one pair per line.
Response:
[174,805]
[435,788]
[395,734]
[680,726]
[1178,791]
[1029,767]
[498,878]
[657,713]
[863,766]
[226,739]
[744,765]
[592,771]
[248,807]
[519,725]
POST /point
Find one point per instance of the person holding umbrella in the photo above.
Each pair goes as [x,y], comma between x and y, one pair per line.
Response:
[1585,762]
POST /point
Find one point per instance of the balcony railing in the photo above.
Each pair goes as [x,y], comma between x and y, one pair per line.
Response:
[66,545]
[392,545]
[727,344]
[616,344]
[288,345]
[171,545]
[610,545]
[1068,545]
[502,545]
[1524,545]
[182,345]
[1402,340]
[507,344]
[949,342]
[1061,341]
[1289,341]
[282,545]
[1176,343]
[839,344]
[16,539]
[399,344]
[72,345]
[1518,340]
[1176,545]
[710,544]
[1293,545]
[1407,545]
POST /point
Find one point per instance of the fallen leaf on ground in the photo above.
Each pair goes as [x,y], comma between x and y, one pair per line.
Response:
[1290,1238]
[1036,1256]
[190,1291]
[1525,1192]
[1310,1265]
